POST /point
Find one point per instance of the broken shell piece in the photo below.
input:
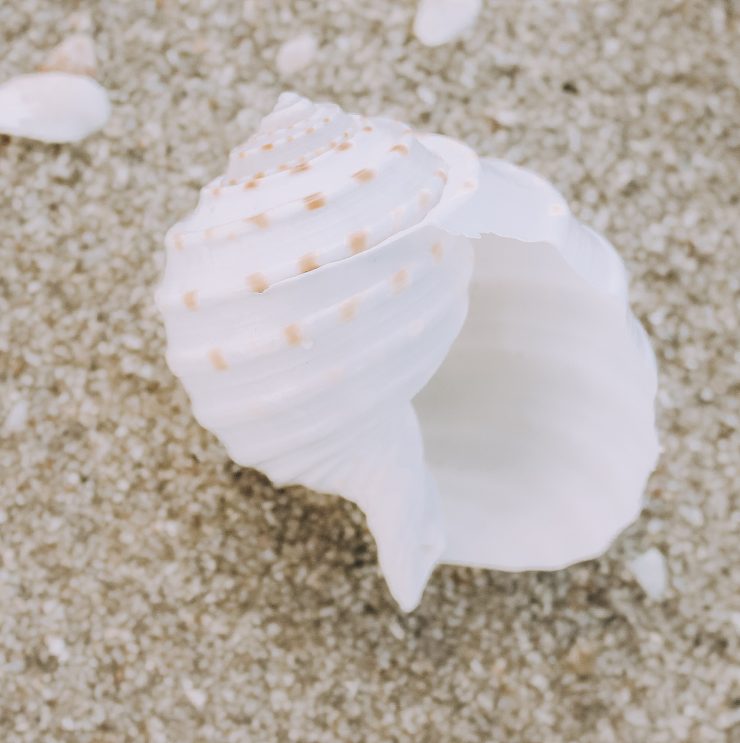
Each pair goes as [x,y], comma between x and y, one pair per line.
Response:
[52,106]
[379,293]
[76,55]
[438,22]
[80,21]
[295,54]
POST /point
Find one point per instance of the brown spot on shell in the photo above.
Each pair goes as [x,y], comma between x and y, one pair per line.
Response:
[442,175]
[310,130]
[357,241]
[367,128]
[342,146]
[401,149]
[308,263]
[179,242]
[218,362]
[283,167]
[259,174]
[260,220]
[267,146]
[257,282]
[300,168]
[438,252]
[293,334]
[232,181]
[250,184]
[364,176]
[327,119]
[425,198]
[216,192]
[242,154]
[190,299]
[400,279]
[314,201]
[348,309]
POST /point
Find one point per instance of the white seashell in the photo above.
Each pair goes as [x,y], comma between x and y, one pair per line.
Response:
[76,55]
[295,54]
[52,106]
[439,21]
[321,283]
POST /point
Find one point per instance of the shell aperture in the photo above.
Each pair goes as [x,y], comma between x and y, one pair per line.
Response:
[320,284]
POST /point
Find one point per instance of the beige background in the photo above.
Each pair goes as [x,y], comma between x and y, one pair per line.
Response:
[152,591]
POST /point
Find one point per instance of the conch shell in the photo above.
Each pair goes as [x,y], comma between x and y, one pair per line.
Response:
[328,276]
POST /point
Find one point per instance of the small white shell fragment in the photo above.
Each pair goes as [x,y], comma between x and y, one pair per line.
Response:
[52,106]
[651,573]
[295,54]
[76,55]
[438,22]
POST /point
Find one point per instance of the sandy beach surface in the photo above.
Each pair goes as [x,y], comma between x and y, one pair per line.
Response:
[150,590]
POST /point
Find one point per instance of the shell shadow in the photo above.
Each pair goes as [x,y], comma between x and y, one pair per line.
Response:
[321,547]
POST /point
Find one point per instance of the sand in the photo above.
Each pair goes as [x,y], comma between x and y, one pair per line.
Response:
[150,590]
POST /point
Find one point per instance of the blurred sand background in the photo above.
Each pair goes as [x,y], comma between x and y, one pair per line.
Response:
[150,590]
